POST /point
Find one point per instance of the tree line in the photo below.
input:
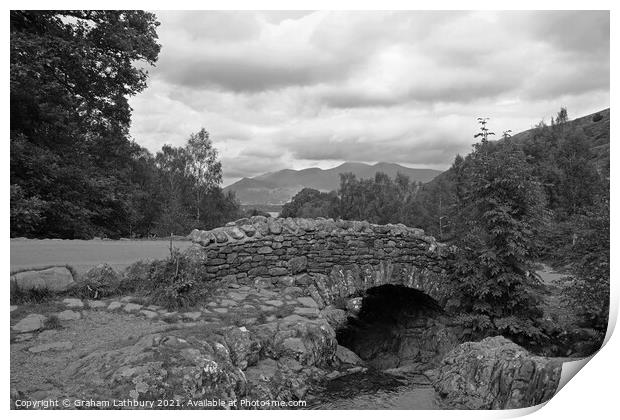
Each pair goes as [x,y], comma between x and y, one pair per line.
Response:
[75,171]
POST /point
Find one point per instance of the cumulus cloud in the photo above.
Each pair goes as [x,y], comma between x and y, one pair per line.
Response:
[299,88]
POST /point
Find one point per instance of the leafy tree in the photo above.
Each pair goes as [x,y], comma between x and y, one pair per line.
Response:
[561,117]
[379,200]
[171,163]
[589,291]
[432,205]
[218,208]
[500,210]
[190,178]
[202,165]
[75,173]
[311,203]
[26,213]
[71,75]
[581,183]
[484,131]
[565,163]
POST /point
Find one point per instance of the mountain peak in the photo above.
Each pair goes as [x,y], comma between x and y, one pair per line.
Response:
[279,187]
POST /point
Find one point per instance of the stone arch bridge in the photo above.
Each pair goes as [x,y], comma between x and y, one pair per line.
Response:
[332,260]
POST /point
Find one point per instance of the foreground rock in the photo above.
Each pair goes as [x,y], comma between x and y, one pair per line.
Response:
[32,322]
[280,361]
[68,315]
[55,279]
[495,373]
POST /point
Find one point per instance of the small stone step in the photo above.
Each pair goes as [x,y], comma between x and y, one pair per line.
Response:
[132,307]
[32,322]
[307,312]
[149,314]
[191,315]
[73,303]
[114,306]
[68,315]
[308,302]
[95,304]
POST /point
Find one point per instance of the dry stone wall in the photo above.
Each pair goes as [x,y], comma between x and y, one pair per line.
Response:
[337,258]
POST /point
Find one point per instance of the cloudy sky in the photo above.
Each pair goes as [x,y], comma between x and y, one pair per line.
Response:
[299,89]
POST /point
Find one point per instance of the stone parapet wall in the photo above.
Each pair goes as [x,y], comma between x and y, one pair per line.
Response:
[260,249]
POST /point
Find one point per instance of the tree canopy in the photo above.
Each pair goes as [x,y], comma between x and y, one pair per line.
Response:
[75,171]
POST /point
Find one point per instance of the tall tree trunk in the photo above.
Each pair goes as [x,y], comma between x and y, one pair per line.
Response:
[197,208]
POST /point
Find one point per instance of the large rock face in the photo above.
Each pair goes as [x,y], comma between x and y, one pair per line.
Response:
[495,373]
[274,361]
[56,279]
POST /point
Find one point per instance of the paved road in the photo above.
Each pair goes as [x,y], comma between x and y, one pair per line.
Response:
[81,255]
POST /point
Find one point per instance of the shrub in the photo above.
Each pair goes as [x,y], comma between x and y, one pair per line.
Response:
[98,282]
[597,117]
[52,323]
[136,277]
[178,281]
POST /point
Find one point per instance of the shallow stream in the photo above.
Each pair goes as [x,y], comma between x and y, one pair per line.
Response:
[376,390]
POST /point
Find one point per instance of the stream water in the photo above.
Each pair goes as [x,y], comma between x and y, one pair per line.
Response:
[391,333]
[387,389]
[376,390]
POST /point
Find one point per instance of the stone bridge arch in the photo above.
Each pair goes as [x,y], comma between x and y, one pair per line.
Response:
[331,265]
[330,259]
[346,282]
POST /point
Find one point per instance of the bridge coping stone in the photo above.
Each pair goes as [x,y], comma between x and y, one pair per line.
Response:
[261,227]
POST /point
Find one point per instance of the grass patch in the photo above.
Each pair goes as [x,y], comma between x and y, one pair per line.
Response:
[261,318]
[52,323]
[19,296]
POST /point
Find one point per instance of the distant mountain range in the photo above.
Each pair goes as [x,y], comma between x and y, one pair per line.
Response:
[277,188]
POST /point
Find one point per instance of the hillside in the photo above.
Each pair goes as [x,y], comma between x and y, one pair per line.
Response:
[279,187]
[593,130]
[596,128]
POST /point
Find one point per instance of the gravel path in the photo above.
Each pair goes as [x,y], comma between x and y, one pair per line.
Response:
[39,373]
[39,359]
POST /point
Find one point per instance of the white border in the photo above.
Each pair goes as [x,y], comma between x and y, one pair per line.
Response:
[592,395]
